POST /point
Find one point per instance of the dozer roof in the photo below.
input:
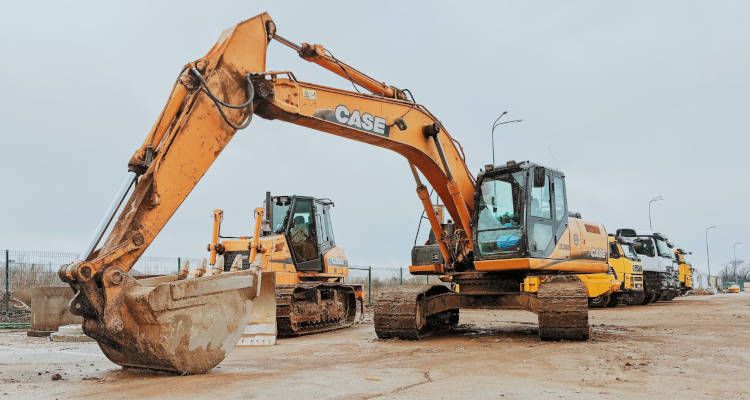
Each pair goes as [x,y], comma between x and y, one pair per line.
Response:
[287,199]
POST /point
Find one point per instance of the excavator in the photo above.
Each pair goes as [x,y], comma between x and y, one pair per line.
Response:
[510,244]
[293,240]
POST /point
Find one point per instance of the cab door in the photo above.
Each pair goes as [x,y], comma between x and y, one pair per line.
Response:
[559,209]
[541,225]
[302,234]
[617,260]
[323,226]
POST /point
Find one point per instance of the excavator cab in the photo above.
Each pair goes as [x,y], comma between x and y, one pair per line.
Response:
[521,221]
[521,211]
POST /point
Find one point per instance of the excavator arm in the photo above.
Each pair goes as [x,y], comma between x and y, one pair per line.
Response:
[189,325]
[398,125]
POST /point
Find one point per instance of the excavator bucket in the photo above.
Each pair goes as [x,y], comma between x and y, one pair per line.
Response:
[188,322]
[165,323]
[261,330]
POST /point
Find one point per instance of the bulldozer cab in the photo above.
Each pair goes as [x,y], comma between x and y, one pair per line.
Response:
[306,223]
[522,211]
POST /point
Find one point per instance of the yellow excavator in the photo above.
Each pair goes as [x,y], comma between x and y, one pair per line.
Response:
[292,240]
[511,242]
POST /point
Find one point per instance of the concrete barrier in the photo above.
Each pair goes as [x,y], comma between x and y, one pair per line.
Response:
[49,310]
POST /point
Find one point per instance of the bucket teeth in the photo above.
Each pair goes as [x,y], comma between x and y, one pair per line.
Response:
[203,268]
[237,263]
[184,270]
[218,266]
[192,272]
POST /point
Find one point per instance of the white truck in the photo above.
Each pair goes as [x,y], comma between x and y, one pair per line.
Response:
[661,279]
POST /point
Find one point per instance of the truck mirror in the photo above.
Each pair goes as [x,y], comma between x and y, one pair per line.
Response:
[539,174]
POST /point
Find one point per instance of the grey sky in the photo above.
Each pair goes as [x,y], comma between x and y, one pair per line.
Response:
[634,99]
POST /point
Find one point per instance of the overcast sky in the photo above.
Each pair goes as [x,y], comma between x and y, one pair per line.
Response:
[630,99]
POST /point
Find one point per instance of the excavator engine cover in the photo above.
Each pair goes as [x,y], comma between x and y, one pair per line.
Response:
[164,323]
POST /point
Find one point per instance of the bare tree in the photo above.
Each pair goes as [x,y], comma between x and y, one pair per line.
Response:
[735,271]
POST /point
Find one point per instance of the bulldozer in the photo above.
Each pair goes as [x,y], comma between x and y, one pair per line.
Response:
[292,240]
[509,223]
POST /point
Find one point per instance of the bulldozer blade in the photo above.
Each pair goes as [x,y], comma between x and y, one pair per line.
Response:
[261,330]
[164,323]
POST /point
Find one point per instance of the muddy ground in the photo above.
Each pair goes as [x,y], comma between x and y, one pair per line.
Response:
[692,348]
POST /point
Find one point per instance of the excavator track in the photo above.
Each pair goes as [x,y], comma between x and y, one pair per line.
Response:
[314,308]
[562,309]
[414,313]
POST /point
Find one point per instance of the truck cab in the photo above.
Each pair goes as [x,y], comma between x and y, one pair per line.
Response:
[628,268]
[660,274]
[685,270]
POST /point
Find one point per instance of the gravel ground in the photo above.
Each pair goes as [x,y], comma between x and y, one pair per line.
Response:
[691,348]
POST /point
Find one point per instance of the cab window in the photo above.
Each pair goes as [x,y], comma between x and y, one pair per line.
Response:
[541,233]
[540,200]
[500,213]
[613,249]
[323,225]
[302,231]
[560,209]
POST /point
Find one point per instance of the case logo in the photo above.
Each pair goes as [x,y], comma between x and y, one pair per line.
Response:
[355,119]
[337,261]
[598,254]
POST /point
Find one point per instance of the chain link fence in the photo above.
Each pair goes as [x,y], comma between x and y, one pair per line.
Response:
[375,279]
[21,270]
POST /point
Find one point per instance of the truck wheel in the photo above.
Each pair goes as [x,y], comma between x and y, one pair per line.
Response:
[613,300]
[600,301]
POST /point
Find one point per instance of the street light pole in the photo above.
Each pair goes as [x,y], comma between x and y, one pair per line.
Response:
[708,258]
[654,200]
[492,134]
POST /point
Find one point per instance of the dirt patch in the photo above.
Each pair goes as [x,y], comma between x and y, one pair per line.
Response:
[693,347]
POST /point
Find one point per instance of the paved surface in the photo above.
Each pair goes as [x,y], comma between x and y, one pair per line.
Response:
[691,348]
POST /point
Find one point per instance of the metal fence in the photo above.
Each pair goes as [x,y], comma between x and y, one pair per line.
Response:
[20,269]
[30,268]
[375,279]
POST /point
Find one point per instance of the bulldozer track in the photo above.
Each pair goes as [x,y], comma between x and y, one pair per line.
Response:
[402,313]
[562,309]
[314,308]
